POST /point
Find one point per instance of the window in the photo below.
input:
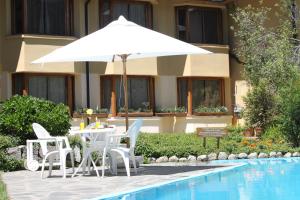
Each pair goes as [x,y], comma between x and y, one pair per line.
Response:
[52,17]
[56,88]
[140,91]
[136,11]
[199,24]
[205,92]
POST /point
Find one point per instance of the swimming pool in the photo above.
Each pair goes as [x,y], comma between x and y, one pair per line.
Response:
[271,179]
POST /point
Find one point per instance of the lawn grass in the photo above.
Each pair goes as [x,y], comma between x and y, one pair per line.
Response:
[3,193]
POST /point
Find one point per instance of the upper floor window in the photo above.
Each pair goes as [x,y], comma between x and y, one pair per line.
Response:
[51,17]
[136,11]
[199,24]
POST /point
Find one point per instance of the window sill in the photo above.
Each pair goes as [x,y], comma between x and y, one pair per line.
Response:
[210,113]
[136,114]
[170,114]
[46,37]
[98,115]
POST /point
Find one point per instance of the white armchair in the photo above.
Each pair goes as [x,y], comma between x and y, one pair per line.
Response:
[62,149]
[127,154]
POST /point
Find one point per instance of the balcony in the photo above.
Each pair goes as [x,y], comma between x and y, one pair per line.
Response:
[21,50]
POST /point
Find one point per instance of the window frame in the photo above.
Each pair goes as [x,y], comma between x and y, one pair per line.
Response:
[113,105]
[190,89]
[69,84]
[149,13]
[69,19]
[220,25]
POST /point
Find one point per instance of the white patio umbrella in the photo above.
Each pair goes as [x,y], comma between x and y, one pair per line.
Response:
[121,40]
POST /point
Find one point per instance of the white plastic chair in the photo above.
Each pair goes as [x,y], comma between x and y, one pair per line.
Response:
[61,151]
[127,154]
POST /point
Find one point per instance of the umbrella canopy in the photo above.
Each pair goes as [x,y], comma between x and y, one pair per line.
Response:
[121,40]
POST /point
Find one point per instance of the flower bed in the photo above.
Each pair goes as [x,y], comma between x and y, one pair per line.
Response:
[183,145]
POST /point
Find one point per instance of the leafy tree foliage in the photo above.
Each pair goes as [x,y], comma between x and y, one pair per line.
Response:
[268,57]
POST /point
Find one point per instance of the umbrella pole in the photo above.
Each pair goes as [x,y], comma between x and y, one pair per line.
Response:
[124,59]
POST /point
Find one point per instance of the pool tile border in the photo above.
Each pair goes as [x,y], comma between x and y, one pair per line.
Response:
[214,171]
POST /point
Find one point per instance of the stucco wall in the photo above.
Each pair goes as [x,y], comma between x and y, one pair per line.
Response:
[21,50]
[169,124]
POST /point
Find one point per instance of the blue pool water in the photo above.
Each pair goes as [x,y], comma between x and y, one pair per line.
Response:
[270,179]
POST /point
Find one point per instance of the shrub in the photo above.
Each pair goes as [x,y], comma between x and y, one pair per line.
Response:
[235,133]
[18,113]
[170,144]
[289,119]
[183,145]
[273,134]
[260,107]
[8,163]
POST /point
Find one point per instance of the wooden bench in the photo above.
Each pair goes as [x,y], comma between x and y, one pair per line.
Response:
[211,132]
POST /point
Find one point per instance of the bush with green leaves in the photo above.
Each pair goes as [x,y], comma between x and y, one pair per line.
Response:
[261,107]
[266,53]
[19,112]
[289,119]
[183,145]
[7,162]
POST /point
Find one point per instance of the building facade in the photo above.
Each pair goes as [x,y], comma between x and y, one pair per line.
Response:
[30,29]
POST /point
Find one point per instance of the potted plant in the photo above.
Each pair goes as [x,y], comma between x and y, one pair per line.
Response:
[176,111]
[207,111]
[143,111]
[98,112]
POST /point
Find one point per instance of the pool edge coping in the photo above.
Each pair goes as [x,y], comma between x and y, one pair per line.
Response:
[214,171]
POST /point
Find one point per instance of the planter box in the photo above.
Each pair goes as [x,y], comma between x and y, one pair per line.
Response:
[98,115]
[209,113]
[170,114]
[136,114]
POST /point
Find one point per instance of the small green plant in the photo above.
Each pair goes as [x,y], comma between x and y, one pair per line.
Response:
[218,109]
[171,110]
[131,110]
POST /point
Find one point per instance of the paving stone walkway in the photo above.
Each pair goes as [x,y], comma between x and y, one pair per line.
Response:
[27,185]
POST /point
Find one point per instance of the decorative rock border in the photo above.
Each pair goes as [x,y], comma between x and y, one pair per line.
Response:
[223,156]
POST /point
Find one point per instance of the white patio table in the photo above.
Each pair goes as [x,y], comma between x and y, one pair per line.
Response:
[97,140]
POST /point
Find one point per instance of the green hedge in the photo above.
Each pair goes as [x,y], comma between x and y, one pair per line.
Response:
[8,163]
[18,113]
[182,145]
